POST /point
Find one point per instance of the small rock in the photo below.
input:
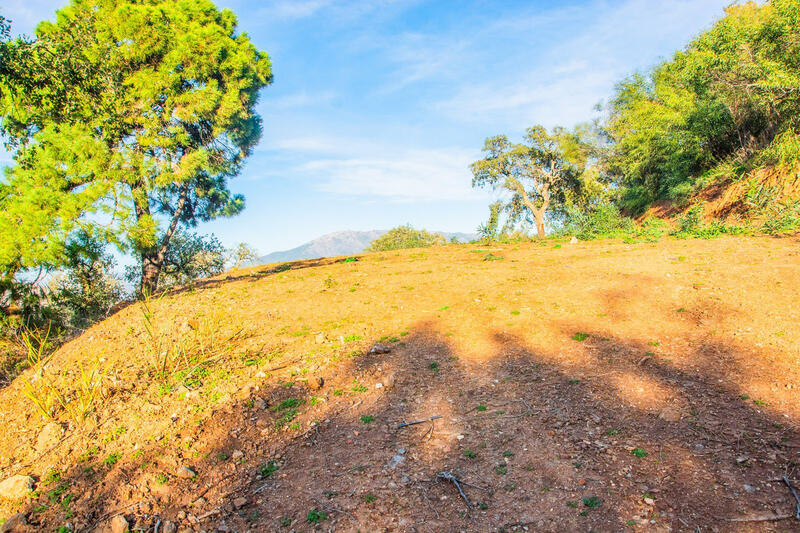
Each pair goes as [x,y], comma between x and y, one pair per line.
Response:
[260,404]
[573,240]
[395,461]
[16,487]
[670,415]
[168,527]
[388,381]
[237,454]
[224,528]
[49,436]
[649,501]
[749,488]
[185,473]
[320,338]
[119,524]
[14,523]
[239,502]
[379,385]
[379,349]
[316,383]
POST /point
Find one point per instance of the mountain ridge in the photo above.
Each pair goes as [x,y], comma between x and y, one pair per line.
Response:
[345,242]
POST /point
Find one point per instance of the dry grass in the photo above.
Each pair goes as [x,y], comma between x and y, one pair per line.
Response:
[579,355]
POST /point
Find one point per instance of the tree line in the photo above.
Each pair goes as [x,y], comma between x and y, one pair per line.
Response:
[728,103]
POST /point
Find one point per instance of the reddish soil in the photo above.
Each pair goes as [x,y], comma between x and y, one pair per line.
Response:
[588,387]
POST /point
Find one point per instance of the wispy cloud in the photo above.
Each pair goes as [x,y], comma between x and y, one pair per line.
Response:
[293,9]
[300,99]
[364,168]
[558,77]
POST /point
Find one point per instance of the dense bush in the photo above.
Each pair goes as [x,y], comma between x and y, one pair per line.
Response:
[729,97]
[405,237]
[604,220]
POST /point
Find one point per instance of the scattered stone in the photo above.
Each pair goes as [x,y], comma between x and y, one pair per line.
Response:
[396,461]
[168,527]
[260,404]
[237,454]
[239,502]
[320,338]
[316,383]
[379,349]
[670,415]
[185,473]
[379,385]
[16,522]
[749,488]
[16,487]
[49,437]
[573,240]
[649,501]
[119,524]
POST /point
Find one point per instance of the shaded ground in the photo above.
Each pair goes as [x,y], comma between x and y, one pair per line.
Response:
[590,387]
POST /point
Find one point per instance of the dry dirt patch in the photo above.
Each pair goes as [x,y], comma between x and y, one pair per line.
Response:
[598,386]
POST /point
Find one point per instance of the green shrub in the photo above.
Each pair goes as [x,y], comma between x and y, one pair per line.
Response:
[781,217]
[403,237]
[604,220]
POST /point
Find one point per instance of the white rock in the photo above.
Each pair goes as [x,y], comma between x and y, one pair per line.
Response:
[119,524]
[16,487]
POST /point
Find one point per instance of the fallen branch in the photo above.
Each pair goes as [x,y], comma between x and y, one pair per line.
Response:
[796,498]
[447,476]
[414,423]
[761,518]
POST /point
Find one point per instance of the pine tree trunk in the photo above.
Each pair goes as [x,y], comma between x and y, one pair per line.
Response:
[151,270]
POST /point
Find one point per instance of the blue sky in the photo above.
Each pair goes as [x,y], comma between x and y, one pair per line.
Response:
[378,107]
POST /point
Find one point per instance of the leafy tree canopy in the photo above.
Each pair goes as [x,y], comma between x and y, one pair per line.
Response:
[125,115]
[731,96]
[543,174]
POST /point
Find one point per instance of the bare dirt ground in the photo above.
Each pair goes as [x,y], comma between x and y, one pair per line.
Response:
[581,387]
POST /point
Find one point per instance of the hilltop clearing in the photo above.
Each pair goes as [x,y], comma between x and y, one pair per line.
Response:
[590,386]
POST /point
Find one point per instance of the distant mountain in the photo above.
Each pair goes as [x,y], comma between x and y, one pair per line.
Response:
[338,243]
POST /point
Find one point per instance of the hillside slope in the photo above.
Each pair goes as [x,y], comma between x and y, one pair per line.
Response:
[593,386]
[337,243]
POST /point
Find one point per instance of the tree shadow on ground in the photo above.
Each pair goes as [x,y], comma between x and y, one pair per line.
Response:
[618,441]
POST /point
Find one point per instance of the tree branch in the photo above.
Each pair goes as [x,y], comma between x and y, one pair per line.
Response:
[173,225]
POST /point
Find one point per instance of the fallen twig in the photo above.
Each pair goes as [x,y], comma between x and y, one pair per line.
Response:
[414,423]
[333,508]
[796,498]
[447,476]
[427,501]
[761,518]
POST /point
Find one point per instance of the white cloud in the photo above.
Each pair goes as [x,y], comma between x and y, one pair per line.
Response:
[300,99]
[558,77]
[290,9]
[364,168]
